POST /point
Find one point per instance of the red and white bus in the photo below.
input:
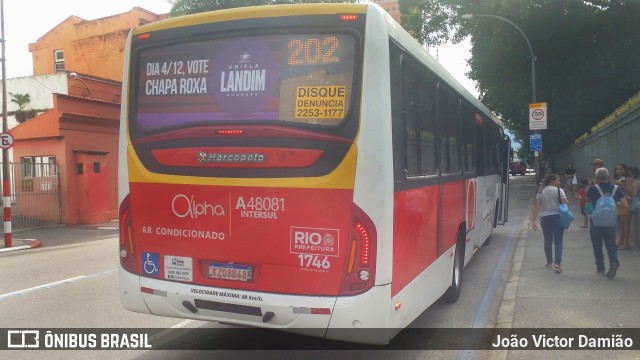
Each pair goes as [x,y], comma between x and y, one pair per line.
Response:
[307,168]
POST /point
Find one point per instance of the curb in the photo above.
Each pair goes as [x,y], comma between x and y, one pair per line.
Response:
[111,225]
[95,227]
[33,243]
[507,305]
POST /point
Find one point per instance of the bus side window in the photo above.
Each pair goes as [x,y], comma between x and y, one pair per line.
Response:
[419,90]
[428,89]
[411,115]
[468,135]
[448,118]
[490,153]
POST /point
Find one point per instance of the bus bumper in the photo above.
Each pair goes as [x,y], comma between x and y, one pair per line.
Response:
[353,318]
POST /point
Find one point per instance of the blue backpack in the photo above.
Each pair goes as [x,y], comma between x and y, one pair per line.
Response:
[604,214]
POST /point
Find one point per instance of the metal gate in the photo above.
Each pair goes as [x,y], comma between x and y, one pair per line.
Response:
[35,194]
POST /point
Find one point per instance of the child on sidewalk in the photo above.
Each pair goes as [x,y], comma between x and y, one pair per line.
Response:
[582,197]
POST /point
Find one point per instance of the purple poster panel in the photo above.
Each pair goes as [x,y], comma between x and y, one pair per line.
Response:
[232,79]
[245,75]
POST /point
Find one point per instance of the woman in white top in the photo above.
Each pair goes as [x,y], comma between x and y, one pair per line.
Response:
[548,205]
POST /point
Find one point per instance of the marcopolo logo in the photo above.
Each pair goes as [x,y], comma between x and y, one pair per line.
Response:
[204,158]
[184,206]
[315,241]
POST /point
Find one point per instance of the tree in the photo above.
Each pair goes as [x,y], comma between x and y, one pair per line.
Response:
[431,22]
[22,100]
[585,54]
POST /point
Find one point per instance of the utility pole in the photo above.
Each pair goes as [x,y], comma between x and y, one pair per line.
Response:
[6,177]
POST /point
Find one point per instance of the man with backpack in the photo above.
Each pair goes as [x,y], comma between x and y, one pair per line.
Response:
[604,197]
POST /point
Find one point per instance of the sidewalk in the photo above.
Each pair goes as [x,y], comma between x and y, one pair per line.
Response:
[537,297]
[24,243]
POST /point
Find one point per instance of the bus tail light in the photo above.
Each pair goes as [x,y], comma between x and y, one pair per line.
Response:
[348,17]
[228,132]
[128,258]
[360,267]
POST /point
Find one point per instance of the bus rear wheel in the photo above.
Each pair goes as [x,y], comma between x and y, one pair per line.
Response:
[453,292]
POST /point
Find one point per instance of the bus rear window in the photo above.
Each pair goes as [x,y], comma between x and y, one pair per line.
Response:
[303,78]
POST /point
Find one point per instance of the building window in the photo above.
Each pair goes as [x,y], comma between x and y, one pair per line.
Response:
[96,168]
[41,167]
[80,169]
[38,166]
[58,57]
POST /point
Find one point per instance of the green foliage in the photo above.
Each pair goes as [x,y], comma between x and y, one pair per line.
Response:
[20,99]
[431,22]
[184,7]
[585,54]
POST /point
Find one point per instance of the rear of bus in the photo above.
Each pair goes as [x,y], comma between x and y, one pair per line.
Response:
[238,163]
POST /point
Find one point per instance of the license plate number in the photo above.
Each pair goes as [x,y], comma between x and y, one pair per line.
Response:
[235,272]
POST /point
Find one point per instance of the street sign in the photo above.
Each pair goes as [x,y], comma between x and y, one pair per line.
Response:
[6,140]
[535,141]
[538,116]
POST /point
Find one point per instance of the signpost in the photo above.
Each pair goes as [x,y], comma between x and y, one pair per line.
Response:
[538,116]
[535,141]
[537,121]
[6,141]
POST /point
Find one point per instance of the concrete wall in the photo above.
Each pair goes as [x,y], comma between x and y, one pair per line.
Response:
[616,139]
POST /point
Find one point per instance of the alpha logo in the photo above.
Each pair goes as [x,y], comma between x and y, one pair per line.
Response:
[204,158]
[183,206]
[316,241]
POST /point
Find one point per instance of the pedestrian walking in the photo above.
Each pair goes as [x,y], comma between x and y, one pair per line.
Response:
[570,179]
[582,198]
[634,189]
[604,234]
[622,179]
[548,205]
[597,164]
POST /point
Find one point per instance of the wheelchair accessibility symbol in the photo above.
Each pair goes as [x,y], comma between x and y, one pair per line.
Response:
[151,263]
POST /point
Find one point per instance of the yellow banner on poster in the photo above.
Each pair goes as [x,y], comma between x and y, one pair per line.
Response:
[324,102]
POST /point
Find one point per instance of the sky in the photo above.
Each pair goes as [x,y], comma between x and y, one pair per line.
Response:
[25,21]
[454,58]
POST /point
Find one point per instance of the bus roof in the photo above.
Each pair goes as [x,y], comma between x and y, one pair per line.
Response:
[253,12]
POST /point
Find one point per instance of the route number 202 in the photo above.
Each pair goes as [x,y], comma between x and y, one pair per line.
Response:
[314,50]
[314,261]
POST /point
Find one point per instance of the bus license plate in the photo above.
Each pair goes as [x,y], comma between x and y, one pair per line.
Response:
[234,272]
